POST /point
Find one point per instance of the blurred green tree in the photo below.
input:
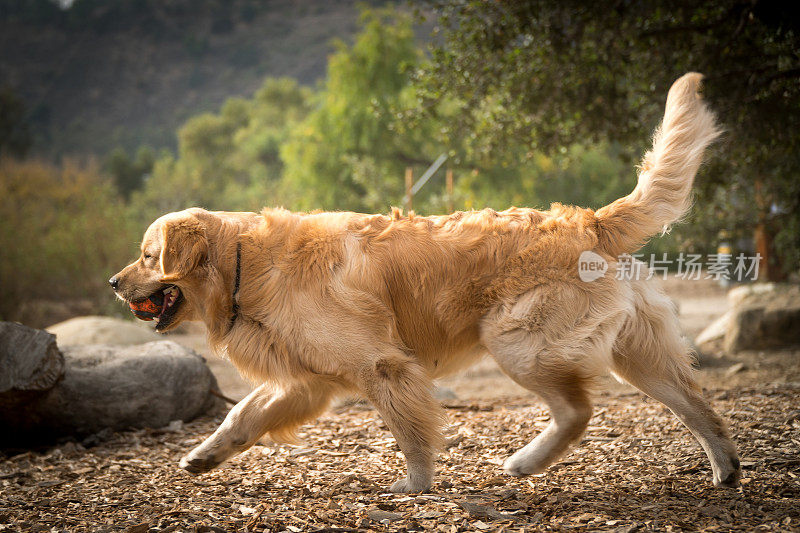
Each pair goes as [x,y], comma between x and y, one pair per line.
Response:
[351,151]
[130,174]
[63,234]
[548,74]
[229,160]
[590,176]
[346,146]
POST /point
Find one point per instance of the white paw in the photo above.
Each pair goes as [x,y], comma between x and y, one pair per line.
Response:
[513,468]
[197,465]
[521,464]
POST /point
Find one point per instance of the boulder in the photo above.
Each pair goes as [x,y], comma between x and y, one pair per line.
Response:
[113,387]
[102,330]
[30,363]
[711,341]
[739,294]
[764,316]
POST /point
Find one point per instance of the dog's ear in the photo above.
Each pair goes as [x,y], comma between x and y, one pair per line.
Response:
[184,246]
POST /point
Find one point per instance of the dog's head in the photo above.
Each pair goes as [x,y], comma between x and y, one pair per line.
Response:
[170,268]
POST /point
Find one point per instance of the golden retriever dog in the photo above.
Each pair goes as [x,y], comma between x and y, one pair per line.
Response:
[310,306]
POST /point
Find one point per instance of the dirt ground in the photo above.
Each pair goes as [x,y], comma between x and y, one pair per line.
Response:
[636,469]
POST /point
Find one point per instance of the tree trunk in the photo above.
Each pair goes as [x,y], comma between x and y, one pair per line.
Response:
[769,267]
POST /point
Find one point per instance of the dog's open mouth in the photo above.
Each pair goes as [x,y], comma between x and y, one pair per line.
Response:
[162,306]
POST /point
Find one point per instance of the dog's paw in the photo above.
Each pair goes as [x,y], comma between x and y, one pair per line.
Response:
[407,485]
[521,464]
[197,465]
[514,470]
[729,478]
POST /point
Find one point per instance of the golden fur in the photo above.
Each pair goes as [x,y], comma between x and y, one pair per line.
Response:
[331,303]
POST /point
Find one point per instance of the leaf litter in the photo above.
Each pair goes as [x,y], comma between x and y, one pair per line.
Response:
[637,469]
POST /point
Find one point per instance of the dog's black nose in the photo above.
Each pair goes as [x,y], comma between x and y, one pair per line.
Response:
[114,282]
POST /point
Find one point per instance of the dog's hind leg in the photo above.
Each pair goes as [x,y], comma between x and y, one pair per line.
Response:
[570,410]
[554,343]
[401,391]
[562,387]
[651,355]
[265,410]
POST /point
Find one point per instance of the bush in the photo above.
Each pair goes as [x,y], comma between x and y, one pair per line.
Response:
[64,232]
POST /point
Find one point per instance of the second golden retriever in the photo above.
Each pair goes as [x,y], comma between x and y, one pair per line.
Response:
[311,306]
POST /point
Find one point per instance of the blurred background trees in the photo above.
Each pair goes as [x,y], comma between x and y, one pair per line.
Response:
[129,174]
[531,102]
[347,152]
[548,74]
[229,160]
[63,229]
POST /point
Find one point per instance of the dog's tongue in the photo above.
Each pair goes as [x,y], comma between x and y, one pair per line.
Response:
[149,308]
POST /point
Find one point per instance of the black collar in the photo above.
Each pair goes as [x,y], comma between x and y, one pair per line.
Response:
[235,302]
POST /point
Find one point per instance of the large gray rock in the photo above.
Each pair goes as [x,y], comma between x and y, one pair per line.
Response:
[30,363]
[114,387]
[739,294]
[102,330]
[711,341]
[764,316]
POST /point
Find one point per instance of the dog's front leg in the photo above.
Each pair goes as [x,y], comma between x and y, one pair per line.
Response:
[401,392]
[263,410]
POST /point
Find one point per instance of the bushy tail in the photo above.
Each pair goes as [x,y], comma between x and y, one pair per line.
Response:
[663,193]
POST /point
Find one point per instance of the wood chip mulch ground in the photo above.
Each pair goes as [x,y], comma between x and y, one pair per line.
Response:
[637,469]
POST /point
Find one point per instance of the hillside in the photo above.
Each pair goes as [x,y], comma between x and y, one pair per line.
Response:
[129,72]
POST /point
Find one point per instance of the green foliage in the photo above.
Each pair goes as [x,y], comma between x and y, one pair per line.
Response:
[346,146]
[229,160]
[548,74]
[64,232]
[584,176]
[129,174]
[353,138]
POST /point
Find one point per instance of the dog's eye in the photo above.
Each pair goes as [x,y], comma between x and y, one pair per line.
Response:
[147,256]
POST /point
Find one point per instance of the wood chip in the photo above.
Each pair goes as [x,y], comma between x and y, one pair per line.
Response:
[644,472]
